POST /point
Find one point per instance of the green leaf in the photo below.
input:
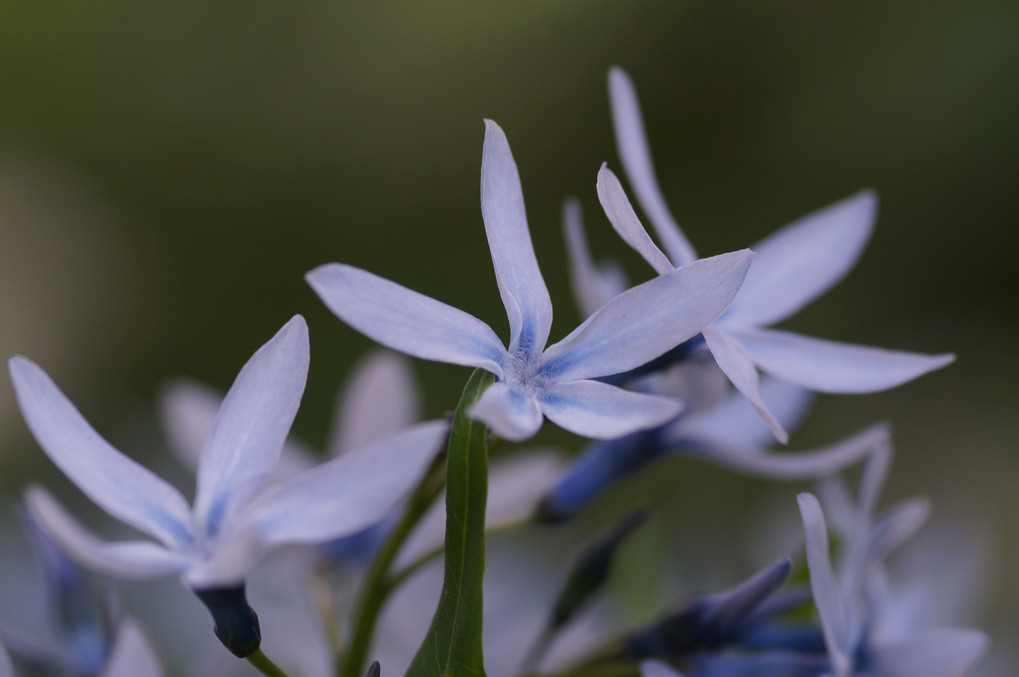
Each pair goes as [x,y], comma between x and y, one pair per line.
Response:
[452,647]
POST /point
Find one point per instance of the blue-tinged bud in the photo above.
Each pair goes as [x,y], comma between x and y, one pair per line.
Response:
[234,621]
[374,670]
[78,610]
[711,622]
[592,568]
[600,464]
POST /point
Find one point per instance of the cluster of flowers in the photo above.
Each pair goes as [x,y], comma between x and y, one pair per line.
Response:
[669,365]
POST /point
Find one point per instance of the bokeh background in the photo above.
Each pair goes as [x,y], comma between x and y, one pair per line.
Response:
[168,173]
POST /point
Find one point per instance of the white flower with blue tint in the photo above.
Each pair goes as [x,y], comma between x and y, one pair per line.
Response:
[850,606]
[234,519]
[131,655]
[791,268]
[534,380]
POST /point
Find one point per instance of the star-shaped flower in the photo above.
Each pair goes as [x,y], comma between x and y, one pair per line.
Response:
[534,380]
[791,268]
[850,606]
[234,519]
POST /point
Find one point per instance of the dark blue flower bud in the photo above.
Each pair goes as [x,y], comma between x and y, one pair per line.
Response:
[713,621]
[599,465]
[374,670]
[234,621]
[78,609]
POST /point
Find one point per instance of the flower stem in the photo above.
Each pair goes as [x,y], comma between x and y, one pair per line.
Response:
[377,584]
[264,665]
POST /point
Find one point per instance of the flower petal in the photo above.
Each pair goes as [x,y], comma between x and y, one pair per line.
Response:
[510,415]
[734,422]
[593,285]
[132,654]
[622,217]
[643,322]
[117,484]
[933,653]
[827,598]
[252,424]
[832,367]
[797,465]
[405,320]
[379,398]
[657,669]
[6,669]
[136,560]
[896,526]
[187,410]
[515,485]
[800,262]
[523,290]
[632,145]
[347,493]
[738,366]
[602,411]
[228,561]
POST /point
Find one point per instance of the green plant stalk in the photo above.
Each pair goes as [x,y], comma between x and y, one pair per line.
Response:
[410,569]
[264,665]
[452,646]
[377,586]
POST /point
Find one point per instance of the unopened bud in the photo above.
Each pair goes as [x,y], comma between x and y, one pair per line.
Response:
[234,621]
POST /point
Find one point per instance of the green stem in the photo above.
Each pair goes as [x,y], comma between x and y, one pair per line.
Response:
[376,585]
[403,574]
[264,665]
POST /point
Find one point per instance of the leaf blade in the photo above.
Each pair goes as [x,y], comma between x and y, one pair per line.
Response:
[452,646]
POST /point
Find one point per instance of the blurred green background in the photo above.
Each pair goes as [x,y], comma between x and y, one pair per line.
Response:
[168,173]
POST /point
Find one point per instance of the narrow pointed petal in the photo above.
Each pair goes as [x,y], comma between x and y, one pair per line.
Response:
[602,411]
[405,320]
[622,217]
[875,472]
[380,398]
[896,526]
[827,598]
[593,285]
[734,422]
[832,367]
[838,504]
[132,654]
[252,424]
[117,484]
[657,669]
[803,260]
[934,653]
[187,410]
[510,414]
[634,153]
[649,319]
[137,560]
[797,465]
[728,611]
[522,288]
[732,358]
[347,493]
[6,668]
